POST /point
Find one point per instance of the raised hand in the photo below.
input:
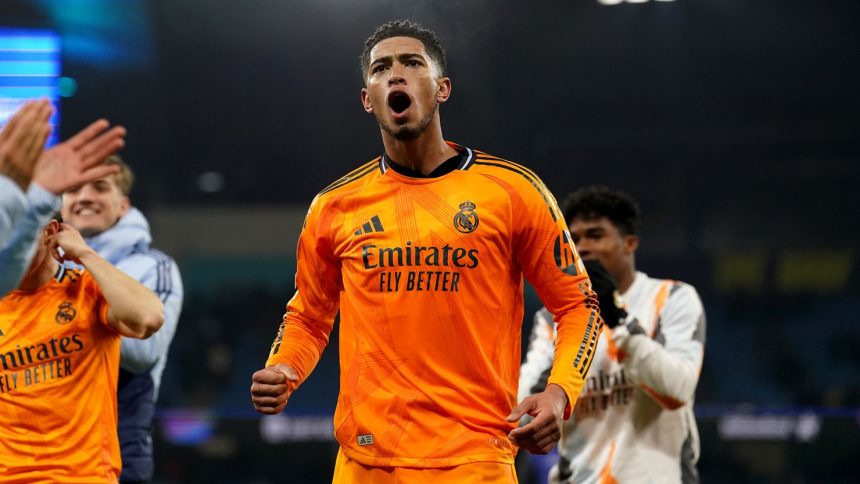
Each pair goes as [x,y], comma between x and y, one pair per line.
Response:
[73,245]
[23,139]
[541,434]
[271,388]
[79,159]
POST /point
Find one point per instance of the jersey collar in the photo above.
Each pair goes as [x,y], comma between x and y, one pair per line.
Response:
[467,158]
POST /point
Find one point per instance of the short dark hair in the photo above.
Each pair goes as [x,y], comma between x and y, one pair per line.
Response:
[405,28]
[598,201]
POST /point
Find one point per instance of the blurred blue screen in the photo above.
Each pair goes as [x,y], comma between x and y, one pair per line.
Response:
[29,69]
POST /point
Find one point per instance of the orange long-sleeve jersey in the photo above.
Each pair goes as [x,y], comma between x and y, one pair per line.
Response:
[428,276]
[59,363]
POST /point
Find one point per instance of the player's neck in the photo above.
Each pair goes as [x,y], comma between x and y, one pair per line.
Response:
[626,278]
[422,154]
[39,275]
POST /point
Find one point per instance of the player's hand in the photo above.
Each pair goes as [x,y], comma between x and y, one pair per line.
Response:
[271,388]
[541,434]
[73,245]
[611,306]
[79,159]
[23,139]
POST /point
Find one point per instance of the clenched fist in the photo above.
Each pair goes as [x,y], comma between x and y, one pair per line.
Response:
[271,388]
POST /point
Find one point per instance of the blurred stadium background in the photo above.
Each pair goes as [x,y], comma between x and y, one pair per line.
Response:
[735,124]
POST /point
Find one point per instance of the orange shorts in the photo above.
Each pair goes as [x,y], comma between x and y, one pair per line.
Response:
[348,471]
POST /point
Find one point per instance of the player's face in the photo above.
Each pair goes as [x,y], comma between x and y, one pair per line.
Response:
[599,239]
[404,88]
[94,207]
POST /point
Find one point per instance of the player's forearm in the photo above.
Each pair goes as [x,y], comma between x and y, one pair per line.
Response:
[20,177]
[667,377]
[576,343]
[135,311]
[300,345]
[574,306]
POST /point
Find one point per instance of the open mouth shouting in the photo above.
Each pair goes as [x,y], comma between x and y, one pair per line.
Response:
[399,103]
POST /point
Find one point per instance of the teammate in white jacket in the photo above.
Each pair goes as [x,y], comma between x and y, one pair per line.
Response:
[634,421]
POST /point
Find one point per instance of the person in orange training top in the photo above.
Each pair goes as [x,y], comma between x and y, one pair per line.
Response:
[423,251]
[59,362]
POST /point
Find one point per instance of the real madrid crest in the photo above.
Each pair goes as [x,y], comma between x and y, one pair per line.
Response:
[65,313]
[466,219]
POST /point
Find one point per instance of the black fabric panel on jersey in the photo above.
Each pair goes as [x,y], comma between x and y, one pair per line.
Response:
[446,167]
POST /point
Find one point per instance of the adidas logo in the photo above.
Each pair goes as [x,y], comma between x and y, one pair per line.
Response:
[369,227]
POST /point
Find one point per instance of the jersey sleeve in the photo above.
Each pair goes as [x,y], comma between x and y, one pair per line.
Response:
[304,331]
[159,274]
[668,364]
[100,304]
[545,249]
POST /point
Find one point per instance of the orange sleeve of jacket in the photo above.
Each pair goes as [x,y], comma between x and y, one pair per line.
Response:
[545,249]
[307,323]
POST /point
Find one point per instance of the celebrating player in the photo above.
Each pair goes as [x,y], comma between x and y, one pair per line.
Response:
[59,361]
[423,250]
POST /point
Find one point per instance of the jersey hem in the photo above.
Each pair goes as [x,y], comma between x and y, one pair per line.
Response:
[425,462]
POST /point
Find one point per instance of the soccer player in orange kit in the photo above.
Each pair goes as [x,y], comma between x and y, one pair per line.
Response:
[59,362]
[423,251]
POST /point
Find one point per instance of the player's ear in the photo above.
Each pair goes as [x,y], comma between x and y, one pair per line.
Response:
[124,205]
[631,244]
[444,91]
[365,100]
[49,233]
[52,228]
